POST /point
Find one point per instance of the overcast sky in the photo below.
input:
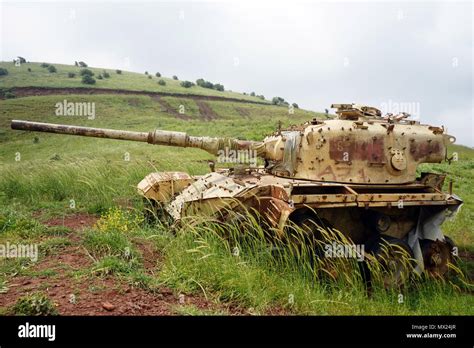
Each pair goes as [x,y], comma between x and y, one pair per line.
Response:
[417,57]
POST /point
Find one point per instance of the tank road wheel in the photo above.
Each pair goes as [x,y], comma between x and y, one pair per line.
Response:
[437,255]
[395,259]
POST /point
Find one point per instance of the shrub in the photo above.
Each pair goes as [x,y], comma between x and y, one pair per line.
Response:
[261,97]
[295,106]
[99,77]
[85,72]
[146,72]
[3,71]
[162,82]
[118,71]
[71,75]
[200,82]
[44,65]
[149,76]
[34,304]
[252,94]
[9,95]
[52,69]
[88,80]
[158,74]
[106,74]
[187,84]
[29,69]
[175,77]
[219,87]
[82,65]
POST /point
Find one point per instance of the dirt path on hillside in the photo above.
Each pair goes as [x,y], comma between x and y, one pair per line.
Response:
[38,91]
[166,107]
[242,112]
[206,111]
[57,275]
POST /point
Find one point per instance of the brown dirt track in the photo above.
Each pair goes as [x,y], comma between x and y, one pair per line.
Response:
[38,91]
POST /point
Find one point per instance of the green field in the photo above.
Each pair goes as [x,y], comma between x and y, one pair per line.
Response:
[127,80]
[40,174]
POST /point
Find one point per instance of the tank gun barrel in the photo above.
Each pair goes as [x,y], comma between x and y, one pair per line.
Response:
[156,137]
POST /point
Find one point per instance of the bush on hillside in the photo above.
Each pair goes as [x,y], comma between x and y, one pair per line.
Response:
[162,82]
[207,84]
[187,84]
[88,80]
[158,74]
[3,71]
[279,101]
[219,87]
[85,72]
[52,69]
[71,75]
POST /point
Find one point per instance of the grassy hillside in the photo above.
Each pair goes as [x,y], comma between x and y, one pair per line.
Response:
[40,174]
[41,77]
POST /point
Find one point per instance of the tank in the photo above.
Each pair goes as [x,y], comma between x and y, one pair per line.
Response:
[355,172]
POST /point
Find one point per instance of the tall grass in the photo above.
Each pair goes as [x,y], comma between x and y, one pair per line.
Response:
[92,185]
[237,263]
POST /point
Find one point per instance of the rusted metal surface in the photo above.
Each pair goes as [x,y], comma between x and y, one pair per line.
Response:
[163,186]
[81,131]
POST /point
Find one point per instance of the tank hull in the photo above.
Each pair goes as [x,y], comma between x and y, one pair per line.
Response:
[412,212]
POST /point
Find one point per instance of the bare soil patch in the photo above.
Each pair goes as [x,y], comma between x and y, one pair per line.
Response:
[166,107]
[75,222]
[67,278]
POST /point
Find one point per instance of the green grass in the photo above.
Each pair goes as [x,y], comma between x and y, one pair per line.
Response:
[34,304]
[40,77]
[199,260]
